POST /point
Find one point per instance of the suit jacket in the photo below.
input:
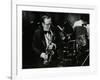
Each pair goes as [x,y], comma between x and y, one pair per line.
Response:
[39,43]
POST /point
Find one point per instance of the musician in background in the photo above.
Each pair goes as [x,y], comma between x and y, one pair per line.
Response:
[82,45]
[44,39]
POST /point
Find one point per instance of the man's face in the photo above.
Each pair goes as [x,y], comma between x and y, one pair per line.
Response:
[46,24]
[47,21]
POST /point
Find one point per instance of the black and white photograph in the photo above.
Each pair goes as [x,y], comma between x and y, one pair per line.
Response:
[55,39]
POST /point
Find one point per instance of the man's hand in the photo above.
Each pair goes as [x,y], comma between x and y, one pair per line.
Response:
[44,56]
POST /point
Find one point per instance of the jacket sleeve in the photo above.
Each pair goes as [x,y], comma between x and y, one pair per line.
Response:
[35,43]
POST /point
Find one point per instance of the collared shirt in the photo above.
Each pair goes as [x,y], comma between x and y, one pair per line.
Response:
[48,38]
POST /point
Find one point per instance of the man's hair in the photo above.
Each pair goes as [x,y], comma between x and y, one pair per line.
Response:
[45,16]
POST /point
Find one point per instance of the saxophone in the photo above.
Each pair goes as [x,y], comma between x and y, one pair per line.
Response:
[49,53]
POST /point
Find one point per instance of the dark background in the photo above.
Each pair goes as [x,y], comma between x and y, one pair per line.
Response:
[30,22]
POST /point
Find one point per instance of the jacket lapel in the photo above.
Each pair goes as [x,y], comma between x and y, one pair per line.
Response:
[44,41]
